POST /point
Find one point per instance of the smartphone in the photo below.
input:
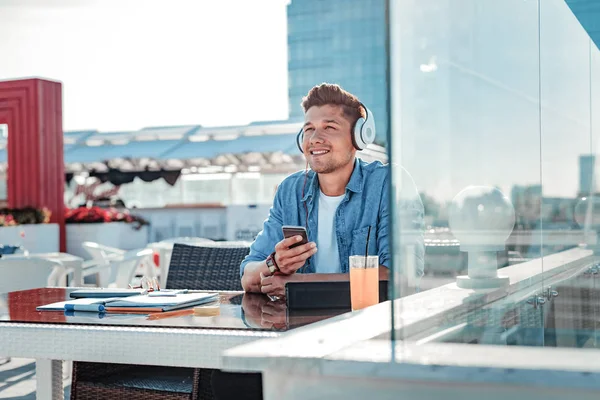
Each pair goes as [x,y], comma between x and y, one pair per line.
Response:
[289,231]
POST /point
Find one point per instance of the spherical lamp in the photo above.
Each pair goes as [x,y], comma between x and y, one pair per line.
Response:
[481,218]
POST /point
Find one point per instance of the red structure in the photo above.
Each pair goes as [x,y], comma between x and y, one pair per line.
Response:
[32,109]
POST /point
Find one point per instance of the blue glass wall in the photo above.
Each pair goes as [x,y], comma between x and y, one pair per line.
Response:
[339,41]
[495,115]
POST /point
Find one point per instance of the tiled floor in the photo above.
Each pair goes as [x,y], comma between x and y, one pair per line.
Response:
[17,379]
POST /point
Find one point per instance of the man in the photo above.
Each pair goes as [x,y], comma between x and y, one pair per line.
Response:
[337,200]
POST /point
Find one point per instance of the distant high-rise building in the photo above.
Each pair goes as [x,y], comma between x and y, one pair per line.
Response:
[343,42]
[587,180]
[527,202]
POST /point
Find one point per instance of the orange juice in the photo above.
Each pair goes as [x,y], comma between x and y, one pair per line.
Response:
[364,287]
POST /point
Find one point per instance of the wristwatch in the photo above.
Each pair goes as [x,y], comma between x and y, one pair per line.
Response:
[272,264]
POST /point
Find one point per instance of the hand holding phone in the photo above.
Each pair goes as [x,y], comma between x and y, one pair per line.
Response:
[291,231]
[293,251]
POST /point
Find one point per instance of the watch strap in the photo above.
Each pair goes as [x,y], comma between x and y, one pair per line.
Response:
[272,264]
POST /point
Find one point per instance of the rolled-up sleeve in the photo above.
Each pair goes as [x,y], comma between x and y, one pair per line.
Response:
[271,234]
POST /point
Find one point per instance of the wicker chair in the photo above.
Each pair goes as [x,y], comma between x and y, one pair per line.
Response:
[208,267]
[192,267]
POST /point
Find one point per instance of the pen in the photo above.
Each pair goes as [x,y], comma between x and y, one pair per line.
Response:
[85,307]
[84,314]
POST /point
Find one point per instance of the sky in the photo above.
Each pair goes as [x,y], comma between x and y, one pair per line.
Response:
[129,64]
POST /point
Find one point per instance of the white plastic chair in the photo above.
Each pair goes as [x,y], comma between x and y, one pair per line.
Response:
[29,273]
[101,252]
[100,263]
[124,270]
[121,271]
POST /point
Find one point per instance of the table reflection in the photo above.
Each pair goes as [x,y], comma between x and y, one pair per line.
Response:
[262,312]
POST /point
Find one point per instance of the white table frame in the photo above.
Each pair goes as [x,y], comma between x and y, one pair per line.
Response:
[73,264]
[49,344]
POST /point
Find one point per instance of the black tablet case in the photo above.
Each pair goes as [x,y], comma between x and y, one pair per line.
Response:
[324,295]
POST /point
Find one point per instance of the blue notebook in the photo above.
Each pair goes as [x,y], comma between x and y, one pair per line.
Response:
[162,303]
[139,303]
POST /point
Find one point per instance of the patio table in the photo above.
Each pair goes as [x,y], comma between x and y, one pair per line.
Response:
[182,341]
[71,263]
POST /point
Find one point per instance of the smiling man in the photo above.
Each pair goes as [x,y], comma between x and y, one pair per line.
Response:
[337,200]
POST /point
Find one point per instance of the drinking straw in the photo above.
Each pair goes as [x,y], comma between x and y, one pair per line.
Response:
[367,247]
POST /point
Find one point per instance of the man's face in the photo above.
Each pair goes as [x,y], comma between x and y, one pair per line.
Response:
[327,143]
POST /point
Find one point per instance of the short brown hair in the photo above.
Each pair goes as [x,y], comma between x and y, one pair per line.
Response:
[332,94]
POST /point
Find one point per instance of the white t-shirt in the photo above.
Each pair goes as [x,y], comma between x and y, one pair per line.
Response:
[327,257]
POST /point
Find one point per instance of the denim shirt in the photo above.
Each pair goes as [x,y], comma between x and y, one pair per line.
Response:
[366,204]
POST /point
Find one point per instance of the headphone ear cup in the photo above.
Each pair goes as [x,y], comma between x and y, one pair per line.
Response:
[299,140]
[357,136]
[366,135]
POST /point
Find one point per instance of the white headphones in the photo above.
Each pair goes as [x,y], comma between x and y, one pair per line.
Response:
[362,136]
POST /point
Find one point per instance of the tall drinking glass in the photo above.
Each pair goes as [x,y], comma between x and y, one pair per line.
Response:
[364,281]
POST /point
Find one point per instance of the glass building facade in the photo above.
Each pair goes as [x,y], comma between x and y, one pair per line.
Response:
[588,14]
[339,41]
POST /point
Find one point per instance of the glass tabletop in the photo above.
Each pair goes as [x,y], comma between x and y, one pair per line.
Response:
[237,310]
